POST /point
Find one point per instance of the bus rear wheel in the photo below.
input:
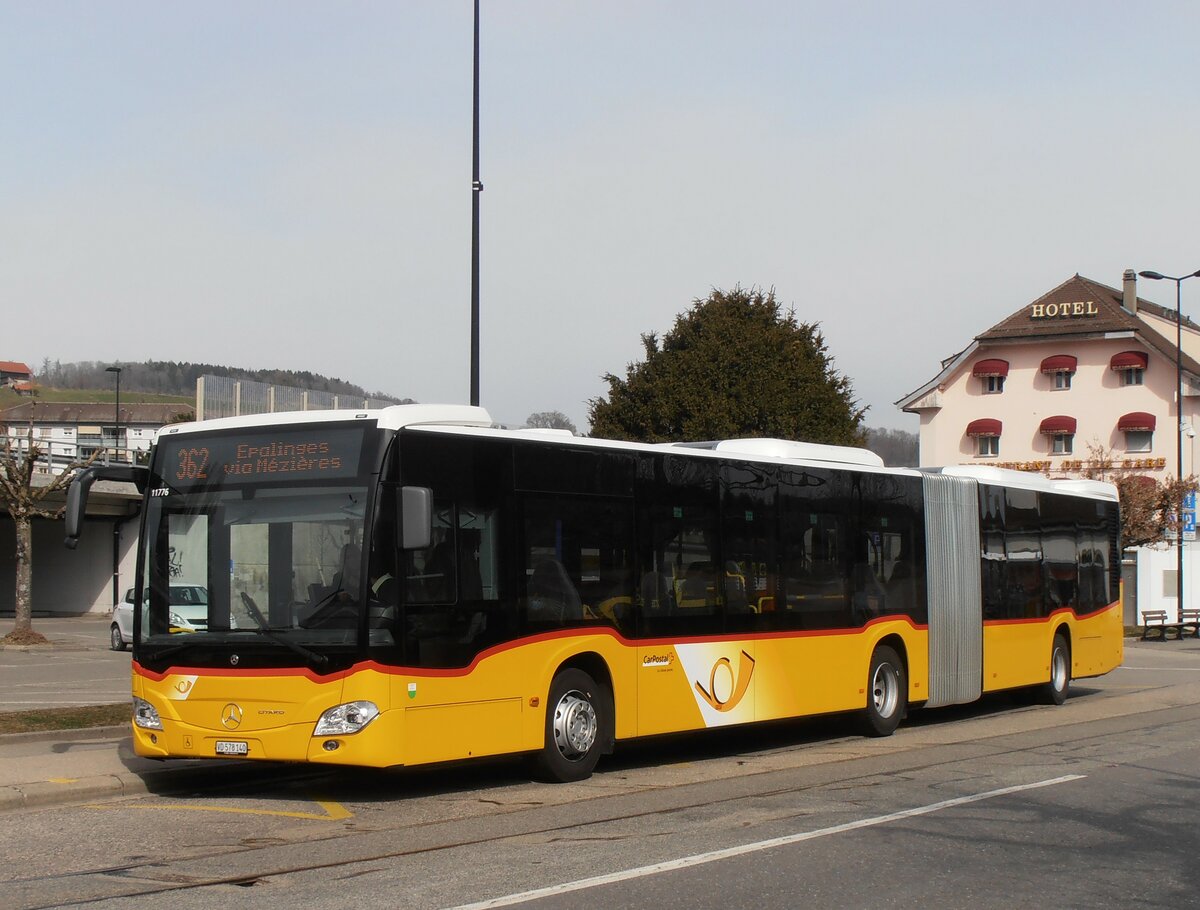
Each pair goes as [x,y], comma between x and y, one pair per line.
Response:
[1054,692]
[887,693]
[574,721]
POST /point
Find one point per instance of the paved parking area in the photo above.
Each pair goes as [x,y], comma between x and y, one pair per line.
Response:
[78,669]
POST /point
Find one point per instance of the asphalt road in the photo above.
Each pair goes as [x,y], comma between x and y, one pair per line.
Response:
[78,670]
[1094,804]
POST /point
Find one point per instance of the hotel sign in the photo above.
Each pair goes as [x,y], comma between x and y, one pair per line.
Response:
[1063,310]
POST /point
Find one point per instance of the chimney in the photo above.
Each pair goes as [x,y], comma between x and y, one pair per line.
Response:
[1129,300]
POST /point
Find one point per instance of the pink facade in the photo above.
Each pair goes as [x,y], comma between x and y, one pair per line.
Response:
[1087,368]
[1105,405]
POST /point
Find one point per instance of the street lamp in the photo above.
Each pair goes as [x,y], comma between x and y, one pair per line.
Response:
[1155,276]
[476,189]
[117,416]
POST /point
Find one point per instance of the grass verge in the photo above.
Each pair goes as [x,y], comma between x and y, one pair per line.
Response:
[64,718]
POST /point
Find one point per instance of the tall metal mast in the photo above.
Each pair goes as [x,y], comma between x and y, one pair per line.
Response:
[476,189]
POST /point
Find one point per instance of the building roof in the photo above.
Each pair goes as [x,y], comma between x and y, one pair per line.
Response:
[1079,309]
[55,412]
[13,366]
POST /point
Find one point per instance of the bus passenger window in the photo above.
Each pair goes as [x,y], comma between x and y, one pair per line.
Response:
[578,561]
[814,580]
[867,593]
[748,519]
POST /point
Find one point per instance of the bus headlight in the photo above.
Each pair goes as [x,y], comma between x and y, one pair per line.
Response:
[145,715]
[346,719]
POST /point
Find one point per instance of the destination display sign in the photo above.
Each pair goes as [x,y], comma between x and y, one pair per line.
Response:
[263,456]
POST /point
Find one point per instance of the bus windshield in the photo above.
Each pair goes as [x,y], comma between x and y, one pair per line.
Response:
[270,528]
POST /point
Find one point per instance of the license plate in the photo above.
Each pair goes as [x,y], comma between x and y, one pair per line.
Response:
[226,747]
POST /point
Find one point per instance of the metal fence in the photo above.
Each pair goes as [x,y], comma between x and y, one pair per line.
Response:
[220,396]
[56,457]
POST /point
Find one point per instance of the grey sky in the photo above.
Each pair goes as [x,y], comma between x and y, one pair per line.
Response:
[288,184]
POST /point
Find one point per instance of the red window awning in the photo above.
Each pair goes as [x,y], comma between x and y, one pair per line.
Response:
[1129,360]
[1060,363]
[1136,421]
[990,368]
[985,426]
[1053,426]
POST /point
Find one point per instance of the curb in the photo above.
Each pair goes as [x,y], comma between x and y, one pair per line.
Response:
[45,648]
[51,793]
[71,791]
[173,778]
[72,734]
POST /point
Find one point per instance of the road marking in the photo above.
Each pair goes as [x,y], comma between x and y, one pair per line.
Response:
[730,852]
[332,811]
[62,780]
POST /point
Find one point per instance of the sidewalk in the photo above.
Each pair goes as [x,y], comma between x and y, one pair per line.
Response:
[75,766]
[72,766]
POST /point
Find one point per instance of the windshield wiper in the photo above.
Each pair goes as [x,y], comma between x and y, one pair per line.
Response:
[172,649]
[264,629]
[320,660]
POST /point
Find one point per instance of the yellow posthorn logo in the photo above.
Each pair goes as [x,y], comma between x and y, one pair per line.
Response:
[724,695]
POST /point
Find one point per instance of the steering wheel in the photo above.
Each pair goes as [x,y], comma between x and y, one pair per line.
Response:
[254,611]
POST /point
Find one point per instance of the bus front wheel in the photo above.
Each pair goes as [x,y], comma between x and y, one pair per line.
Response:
[887,693]
[574,721]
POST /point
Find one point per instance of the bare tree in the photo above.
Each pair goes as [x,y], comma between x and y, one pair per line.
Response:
[24,501]
[1149,507]
[550,420]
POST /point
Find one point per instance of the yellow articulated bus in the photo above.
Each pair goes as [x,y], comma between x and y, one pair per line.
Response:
[413,585]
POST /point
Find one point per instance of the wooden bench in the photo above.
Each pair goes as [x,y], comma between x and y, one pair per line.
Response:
[1189,619]
[1156,626]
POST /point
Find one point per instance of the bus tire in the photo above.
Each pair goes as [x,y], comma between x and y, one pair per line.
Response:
[575,721]
[1054,692]
[887,693]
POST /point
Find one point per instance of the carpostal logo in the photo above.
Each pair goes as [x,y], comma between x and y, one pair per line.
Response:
[720,678]
[725,688]
[658,660]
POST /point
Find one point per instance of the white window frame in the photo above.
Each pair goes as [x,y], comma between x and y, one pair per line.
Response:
[987,446]
[1133,376]
[1062,444]
[993,385]
[1129,441]
[1062,380]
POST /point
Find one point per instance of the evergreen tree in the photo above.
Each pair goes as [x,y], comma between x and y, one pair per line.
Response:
[734,365]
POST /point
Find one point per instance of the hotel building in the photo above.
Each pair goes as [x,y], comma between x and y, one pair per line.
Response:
[1085,369]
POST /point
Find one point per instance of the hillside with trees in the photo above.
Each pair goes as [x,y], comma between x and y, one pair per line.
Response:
[169,377]
[897,448]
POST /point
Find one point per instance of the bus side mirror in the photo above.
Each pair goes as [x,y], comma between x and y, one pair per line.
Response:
[77,496]
[77,493]
[416,517]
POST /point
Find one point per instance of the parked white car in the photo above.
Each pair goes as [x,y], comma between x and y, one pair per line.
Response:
[189,613]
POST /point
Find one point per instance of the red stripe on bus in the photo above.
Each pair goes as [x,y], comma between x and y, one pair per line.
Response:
[450,672]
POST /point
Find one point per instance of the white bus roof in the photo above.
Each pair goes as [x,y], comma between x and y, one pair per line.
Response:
[1096,489]
[392,418]
[475,421]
